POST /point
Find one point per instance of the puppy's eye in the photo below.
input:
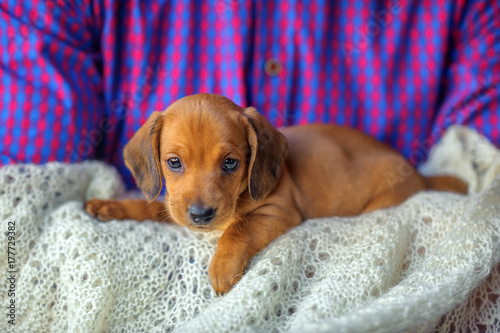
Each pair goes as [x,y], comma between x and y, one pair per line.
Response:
[230,164]
[174,163]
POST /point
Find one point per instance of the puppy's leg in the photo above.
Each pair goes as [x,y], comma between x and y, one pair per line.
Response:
[240,242]
[140,210]
[384,200]
[395,194]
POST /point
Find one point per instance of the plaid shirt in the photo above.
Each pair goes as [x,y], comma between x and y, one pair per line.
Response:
[78,78]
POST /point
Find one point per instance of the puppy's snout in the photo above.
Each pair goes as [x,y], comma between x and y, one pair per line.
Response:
[200,214]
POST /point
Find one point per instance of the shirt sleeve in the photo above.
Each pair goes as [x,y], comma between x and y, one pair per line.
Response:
[471,87]
[50,81]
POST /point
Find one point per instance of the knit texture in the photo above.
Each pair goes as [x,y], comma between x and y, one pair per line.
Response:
[429,264]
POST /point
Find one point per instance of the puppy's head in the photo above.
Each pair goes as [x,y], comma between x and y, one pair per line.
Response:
[209,151]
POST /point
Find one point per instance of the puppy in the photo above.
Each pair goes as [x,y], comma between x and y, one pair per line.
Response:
[226,167]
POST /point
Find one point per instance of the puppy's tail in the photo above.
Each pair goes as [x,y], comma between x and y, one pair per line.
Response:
[446,183]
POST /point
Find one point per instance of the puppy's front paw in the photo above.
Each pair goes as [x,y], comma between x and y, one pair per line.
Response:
[105,210]
[224,272]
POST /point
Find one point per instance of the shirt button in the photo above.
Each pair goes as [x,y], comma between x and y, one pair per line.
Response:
[273,66]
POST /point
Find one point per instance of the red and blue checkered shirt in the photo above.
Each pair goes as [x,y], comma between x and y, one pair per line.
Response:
[78,78]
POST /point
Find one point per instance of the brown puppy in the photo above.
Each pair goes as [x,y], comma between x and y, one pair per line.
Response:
[227,168]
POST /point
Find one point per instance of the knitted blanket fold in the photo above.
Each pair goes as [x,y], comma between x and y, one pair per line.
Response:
[430,264]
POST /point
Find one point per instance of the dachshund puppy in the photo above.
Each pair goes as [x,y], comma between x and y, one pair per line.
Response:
[226,167]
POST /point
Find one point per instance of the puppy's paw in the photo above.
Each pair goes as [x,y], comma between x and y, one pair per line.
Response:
[105,210]
[224,272]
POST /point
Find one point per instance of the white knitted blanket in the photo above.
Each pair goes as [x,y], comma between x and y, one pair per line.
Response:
[429,264]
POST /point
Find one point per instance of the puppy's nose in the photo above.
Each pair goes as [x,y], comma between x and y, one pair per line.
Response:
[201,214]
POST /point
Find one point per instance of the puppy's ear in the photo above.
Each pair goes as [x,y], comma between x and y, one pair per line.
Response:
[142,156]
[268,150]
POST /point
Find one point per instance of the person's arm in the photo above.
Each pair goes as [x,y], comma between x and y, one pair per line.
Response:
[471,88]
[50,81]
